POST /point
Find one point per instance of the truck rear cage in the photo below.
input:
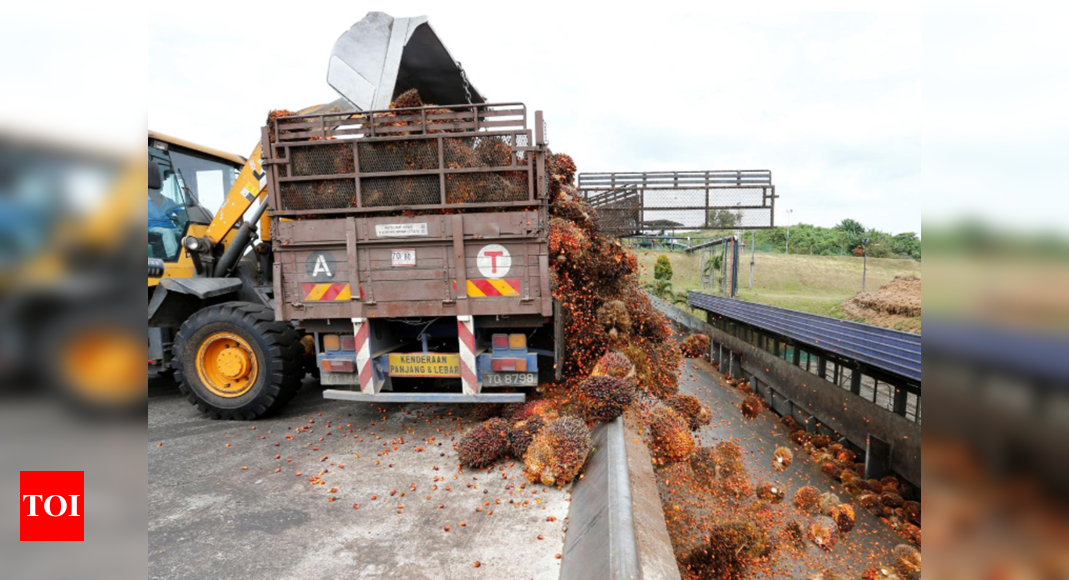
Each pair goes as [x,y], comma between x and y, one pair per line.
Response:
[423,158]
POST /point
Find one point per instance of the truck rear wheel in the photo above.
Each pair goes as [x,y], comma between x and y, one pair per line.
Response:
[234,361]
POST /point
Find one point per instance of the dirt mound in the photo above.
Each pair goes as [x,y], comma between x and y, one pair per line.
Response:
[896,305]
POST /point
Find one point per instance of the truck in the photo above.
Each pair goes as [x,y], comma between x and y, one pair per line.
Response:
[411,244]
[399,254]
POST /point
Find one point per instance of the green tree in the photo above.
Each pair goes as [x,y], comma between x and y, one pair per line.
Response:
[855,232]
[907,244]
[662,269]
[661,289]
[724,219]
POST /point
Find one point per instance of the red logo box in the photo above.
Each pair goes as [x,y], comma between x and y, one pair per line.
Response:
[52,506]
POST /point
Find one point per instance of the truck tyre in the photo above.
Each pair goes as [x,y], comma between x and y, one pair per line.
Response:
[234,361]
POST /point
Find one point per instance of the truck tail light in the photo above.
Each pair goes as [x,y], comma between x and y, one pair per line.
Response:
[518,341]
[348,343]
[500,341]
[331,342]
[337,366]
[508,365]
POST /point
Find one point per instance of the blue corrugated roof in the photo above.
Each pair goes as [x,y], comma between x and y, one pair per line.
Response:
[892,351]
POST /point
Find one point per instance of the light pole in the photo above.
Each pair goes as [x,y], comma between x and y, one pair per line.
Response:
[789,212]
[864,261]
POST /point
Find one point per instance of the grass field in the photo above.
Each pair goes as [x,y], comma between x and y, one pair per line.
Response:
[816,284]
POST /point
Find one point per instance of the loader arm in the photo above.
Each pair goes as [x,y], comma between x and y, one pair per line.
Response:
[248,187]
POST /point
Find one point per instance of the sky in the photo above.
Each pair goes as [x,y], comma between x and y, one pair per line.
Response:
[829,103]
[945,112]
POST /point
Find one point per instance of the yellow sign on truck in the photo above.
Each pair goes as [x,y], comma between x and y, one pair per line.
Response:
[424,365]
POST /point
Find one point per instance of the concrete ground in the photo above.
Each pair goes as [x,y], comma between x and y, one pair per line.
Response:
[871,541]
[218,508]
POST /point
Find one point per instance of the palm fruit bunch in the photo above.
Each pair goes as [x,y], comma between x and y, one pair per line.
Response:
[830,469]
[907,561]
[848,476]
[830,575]
[807,499]
[799,437]
[604,398]
[912,511]
[614,364]
[737,486]
[483,444]
[638,359]
[486,411]
[690,408]
[521,433]
[911,533]
[664,366]
[770,492]
[828,500]
[844,517]
[696,346]
[869,500]
[880,573]
[566,241]
[729,459]
[782,458]
[547,409]
[493,152]
[890,483]
[846,456]
[613,317]
[671,437]
[703,463]
[562,167]
[820,441]
[822,532]
[794,534]
[891,499]
[558,452]
[407,100]
[752,405]
[727,551]
[790,423]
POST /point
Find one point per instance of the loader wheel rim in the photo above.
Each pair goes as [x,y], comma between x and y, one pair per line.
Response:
[227,365]
[105,365]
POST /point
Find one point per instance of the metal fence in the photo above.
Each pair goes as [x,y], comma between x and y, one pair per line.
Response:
[633,204]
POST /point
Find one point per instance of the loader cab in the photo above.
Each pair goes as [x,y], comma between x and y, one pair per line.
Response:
[185,180]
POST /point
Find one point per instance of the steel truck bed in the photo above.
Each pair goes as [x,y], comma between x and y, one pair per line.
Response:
[412,243]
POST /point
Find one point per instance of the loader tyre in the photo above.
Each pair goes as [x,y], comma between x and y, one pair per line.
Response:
[234,361]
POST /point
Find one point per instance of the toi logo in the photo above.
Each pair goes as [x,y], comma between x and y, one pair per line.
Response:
[52,506]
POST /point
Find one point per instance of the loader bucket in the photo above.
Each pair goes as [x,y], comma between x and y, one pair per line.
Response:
[381,57]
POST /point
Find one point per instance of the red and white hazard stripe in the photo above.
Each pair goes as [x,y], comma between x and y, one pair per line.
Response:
[466,332]
[363,355]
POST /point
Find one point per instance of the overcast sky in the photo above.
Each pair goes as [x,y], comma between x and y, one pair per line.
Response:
[830,103]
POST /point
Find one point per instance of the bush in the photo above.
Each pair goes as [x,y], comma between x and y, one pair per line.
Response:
[662,268]
[483,444]
[558,452]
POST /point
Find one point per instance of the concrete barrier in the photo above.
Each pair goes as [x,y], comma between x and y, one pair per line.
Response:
[600,542]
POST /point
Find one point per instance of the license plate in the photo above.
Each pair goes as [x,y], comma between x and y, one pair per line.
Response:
[424,365]
[403,257]
[510,379]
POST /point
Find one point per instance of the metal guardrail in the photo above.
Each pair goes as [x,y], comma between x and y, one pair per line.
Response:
[636,202]
[892,351]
